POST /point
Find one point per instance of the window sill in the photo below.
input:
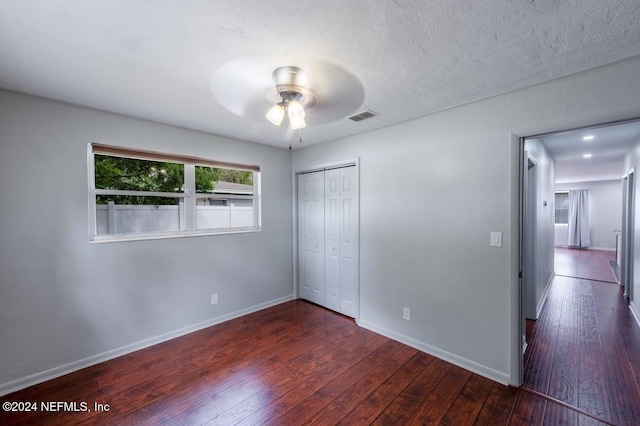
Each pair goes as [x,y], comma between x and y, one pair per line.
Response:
[161,236]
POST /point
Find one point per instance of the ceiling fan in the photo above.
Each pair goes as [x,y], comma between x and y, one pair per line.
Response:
[290,84]
[301,90]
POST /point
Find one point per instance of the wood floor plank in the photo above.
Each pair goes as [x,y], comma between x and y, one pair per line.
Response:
[276,406]
[383,395]
[541,350]
[376,376]
[564,376]
[405,404]
[311,405]
[341,364]
[590,421]
[266,397]
[436,405]
[331,415]
[593,393]
[469,402]
[200,404]
[564,371]
[306,410]
[625,398]
[340,384]
[528,410]
[496,409]
[555,414]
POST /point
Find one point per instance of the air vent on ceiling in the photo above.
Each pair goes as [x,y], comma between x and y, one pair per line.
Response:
[362,115]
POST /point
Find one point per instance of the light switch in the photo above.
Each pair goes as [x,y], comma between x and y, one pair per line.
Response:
[496,239]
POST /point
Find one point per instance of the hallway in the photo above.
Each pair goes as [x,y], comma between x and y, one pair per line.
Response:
[584,349]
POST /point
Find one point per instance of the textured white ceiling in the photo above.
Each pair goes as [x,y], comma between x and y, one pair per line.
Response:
[608,148]
[155,59]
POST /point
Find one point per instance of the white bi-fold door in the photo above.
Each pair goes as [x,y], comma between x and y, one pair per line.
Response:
[311,237]
[328,238]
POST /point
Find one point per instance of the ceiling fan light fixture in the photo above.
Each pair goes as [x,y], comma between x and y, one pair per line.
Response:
[297,123]
[295,110]
[291,84]
[276,113]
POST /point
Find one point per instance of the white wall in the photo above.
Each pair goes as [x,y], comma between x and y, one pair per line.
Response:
[605,212]
[632,163]
[62,299]
[545,204]
[455,176]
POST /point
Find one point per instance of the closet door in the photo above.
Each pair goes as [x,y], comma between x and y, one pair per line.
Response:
[332,238]
[341,240]
[311,237]
[349,246]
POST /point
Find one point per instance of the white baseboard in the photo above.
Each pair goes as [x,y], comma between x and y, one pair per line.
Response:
[635,312]
[483,370]
[61,370]
[602,248]
[545,293]
[587,248]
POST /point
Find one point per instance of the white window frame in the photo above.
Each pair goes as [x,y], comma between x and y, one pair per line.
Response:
[188,225]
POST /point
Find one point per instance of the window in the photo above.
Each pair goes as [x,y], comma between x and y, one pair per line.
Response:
[141,194]
[562,207]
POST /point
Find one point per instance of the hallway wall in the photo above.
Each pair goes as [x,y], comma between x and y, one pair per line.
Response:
[632,162]
[545,196]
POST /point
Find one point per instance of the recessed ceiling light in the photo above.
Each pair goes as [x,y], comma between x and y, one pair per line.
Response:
[588,138]
[586,156]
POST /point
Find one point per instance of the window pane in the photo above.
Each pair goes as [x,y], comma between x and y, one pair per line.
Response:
[231,202]
[215,180]
[130,174]
[562,200]
[562,207]
[562,216]
[213,213]
[132,215]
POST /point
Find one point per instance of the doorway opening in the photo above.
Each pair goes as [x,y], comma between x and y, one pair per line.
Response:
[577,224]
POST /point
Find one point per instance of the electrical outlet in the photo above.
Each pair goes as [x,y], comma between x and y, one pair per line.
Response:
[214,299]
[406,314]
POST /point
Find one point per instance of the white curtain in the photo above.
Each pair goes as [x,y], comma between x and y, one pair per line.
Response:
[579,219]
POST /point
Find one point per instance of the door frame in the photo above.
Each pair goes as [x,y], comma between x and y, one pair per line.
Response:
[294,214]
[529,237]
[517,330]
[628,231]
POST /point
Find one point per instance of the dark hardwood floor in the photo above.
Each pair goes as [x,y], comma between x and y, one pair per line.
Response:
[295,363]
[584,349]
[582,263]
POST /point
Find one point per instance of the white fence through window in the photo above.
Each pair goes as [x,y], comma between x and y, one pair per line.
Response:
[114,218]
